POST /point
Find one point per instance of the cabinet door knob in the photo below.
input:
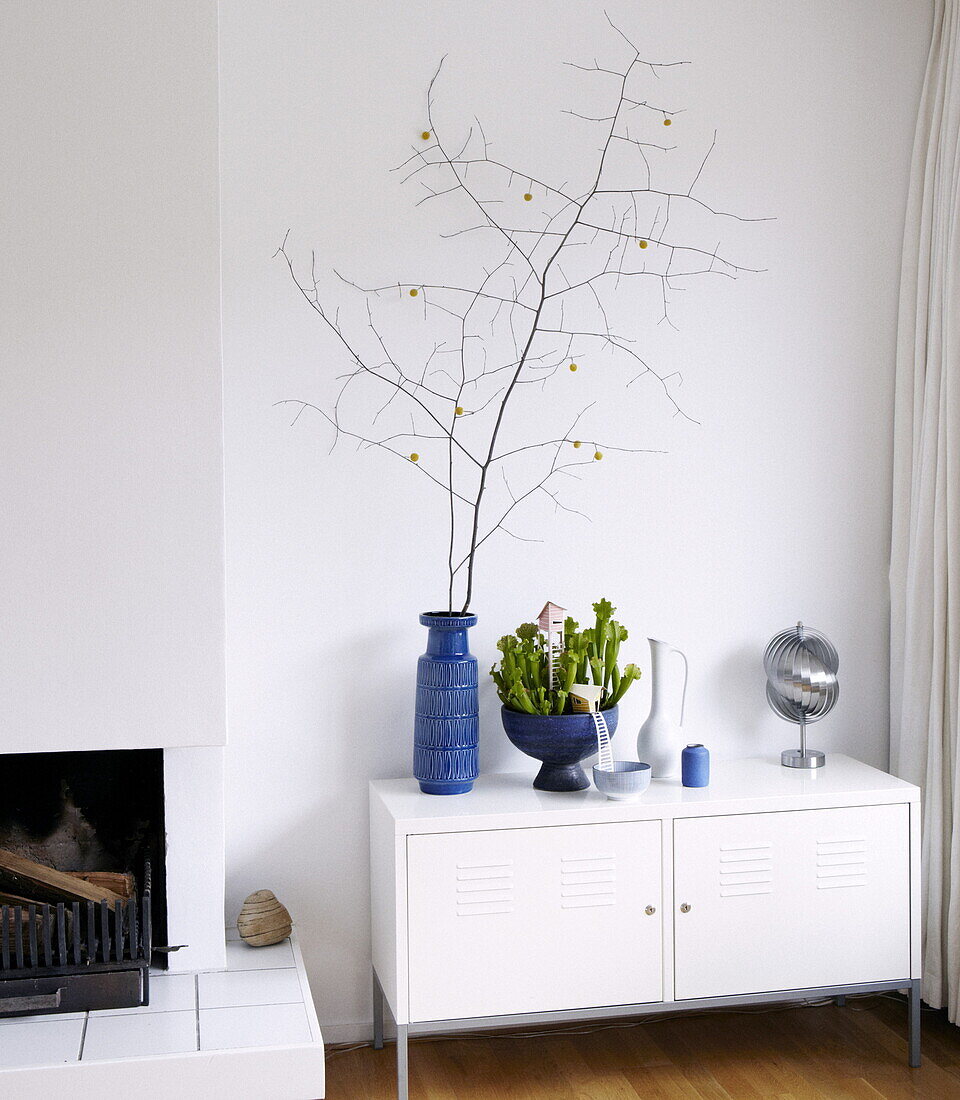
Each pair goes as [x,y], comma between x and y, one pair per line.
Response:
[685,908]
[650,910]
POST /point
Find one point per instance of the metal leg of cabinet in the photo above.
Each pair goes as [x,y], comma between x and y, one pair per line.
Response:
[403,1071]
[379,1002]
[913,1007]
[377,1013]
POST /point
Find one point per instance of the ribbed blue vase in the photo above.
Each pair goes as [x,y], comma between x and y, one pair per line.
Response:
[446,729]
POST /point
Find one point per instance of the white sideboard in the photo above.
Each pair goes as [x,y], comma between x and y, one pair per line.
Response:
[512,905]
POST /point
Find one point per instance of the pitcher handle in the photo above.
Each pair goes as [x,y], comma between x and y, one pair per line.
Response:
[686,674]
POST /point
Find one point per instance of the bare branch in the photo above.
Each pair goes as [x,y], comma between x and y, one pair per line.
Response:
[544,295]
[368,442]
[706,157]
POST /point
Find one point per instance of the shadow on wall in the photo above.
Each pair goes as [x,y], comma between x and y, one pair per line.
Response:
[323,881]
[379,732]
[737,686]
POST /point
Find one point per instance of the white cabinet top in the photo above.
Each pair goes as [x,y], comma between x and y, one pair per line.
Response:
[753,785]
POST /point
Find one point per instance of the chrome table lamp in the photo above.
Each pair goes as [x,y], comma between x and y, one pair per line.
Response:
[801,667]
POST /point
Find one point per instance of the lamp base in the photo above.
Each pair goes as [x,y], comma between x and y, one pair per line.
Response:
[796,758]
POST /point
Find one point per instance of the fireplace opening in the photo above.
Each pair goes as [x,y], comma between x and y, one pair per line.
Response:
[97,818]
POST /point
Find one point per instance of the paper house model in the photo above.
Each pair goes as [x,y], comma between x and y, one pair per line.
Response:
[585,698]
[551,618]
[550,622]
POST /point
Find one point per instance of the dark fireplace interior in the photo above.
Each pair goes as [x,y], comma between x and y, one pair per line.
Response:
[89,811]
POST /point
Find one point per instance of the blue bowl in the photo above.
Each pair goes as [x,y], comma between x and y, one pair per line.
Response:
[560,742]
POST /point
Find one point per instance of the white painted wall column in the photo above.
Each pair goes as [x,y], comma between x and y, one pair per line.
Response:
[111,485]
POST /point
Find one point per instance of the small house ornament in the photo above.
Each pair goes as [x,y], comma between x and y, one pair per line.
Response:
[585,698]
[551,621]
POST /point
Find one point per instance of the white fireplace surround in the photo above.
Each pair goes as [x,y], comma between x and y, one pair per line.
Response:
[193,811]
[194,856]
[114,551]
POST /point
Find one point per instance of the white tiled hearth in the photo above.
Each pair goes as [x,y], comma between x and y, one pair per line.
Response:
[249,1029]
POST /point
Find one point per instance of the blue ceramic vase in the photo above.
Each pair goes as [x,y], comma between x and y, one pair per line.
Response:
[559,742]
[446,728]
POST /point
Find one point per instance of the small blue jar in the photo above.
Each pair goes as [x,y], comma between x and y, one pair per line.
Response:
[695,766]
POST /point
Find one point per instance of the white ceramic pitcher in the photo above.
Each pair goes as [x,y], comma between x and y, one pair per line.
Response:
[659,743]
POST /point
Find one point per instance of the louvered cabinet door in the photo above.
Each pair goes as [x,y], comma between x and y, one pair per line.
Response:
[533,920]
[791,900]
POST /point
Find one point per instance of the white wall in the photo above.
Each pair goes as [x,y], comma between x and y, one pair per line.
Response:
[111,558]
[776,508]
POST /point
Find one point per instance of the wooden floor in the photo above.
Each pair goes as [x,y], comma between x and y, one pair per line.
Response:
[857,1052]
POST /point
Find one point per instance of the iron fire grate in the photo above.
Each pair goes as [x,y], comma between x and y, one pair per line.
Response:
[76,956]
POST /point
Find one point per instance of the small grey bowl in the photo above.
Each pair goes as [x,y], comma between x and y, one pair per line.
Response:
[628,780]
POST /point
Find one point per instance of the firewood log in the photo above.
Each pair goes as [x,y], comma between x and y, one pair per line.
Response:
[120,883]
[34,880]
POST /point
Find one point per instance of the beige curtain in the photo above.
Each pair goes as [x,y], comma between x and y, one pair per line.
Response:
[925,552]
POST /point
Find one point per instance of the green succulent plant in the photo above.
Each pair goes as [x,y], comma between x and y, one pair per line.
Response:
[522,674]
